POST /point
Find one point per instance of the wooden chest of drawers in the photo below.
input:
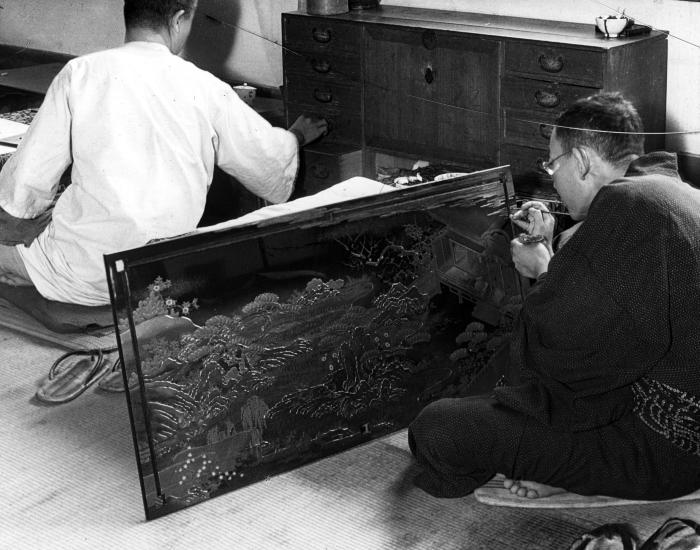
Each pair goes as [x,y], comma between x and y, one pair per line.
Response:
[469,89]
[322,167]
[322,72]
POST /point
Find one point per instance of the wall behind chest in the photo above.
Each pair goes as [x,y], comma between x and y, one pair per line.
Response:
[235,39]
[78,27]
[67,26]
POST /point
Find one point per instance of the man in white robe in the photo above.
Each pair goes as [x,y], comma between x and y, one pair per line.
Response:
[143,130]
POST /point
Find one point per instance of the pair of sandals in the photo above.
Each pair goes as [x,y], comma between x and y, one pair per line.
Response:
[76,371]
[674,534]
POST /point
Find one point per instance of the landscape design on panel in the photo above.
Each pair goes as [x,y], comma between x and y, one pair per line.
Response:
[256,350]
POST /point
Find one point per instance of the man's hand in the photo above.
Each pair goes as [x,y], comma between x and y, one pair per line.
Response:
[309,128]
[531,260]
[534,218]
[15,231]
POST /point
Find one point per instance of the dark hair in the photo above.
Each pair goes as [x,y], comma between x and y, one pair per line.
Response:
[609,112]
[154,14]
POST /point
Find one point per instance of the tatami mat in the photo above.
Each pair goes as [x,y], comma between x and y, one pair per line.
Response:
[69,481]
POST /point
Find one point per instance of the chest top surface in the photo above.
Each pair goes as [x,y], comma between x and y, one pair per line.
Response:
[487,25]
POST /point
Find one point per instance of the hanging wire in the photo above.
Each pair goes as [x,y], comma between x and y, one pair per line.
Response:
[290,50]
[679,132]
[443,104]
[238,27]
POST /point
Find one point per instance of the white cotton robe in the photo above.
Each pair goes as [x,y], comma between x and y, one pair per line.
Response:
[143,130]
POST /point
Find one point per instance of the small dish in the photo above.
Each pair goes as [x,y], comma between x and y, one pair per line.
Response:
[246,93]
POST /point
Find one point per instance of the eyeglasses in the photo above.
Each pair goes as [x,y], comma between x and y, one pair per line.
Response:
[548,165]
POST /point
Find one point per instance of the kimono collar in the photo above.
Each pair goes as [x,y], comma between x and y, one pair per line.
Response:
[655,163]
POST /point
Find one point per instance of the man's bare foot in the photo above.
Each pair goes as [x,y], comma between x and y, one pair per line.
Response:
[530,489]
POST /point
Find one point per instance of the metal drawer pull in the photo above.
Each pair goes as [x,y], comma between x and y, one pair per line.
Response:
[429,39]
[323,96]
[546,130]
[550,63]
[429,75]
[319,171]
[321,36]
[546,99]
[320,65]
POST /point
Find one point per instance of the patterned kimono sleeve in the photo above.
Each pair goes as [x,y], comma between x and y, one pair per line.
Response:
[595,324]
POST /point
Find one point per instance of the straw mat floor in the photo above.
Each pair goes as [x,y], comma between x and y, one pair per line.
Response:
[69,482]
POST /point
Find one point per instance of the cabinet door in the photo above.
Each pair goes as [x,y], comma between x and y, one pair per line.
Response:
[432,93]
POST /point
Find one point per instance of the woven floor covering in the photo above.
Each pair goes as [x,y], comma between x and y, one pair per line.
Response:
[69,481]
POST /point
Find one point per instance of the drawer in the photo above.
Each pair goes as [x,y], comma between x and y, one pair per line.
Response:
[528,128]
[344,126]
[528,179]
[320,34]
[539,95]
[322,94]
[324,166]
[330,66]
[554,62]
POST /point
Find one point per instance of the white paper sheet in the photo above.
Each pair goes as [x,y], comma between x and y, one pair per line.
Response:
[11,131]
[10,128]
[349,189]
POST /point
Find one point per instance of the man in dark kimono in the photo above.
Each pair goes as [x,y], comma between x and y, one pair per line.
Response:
[608,340]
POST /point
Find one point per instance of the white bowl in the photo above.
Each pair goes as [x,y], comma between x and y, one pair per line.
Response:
[611,26]
[246,93]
